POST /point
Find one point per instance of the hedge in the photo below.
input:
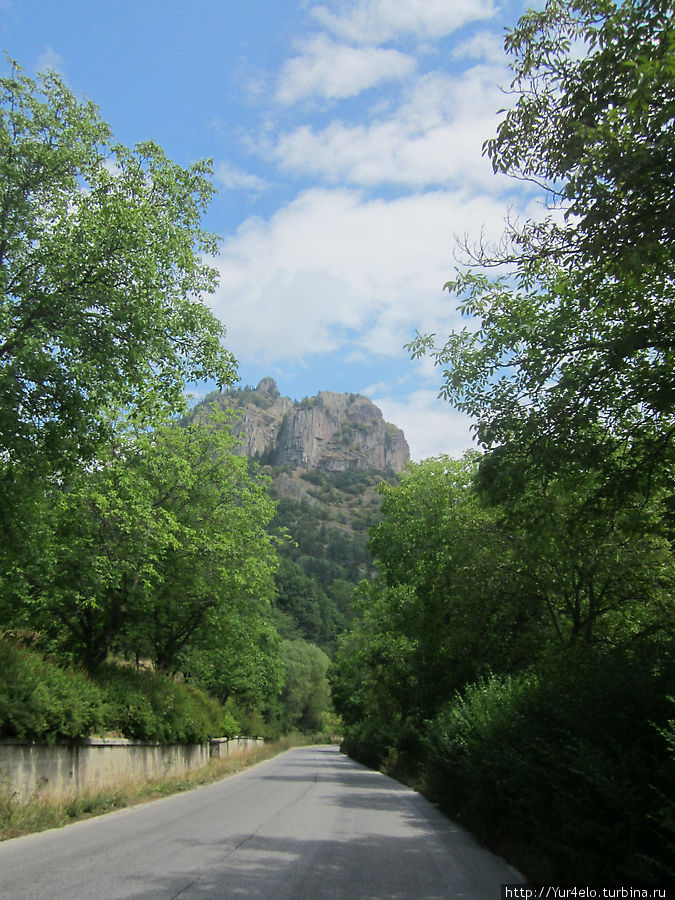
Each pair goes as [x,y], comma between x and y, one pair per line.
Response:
[570,773]
[44,701]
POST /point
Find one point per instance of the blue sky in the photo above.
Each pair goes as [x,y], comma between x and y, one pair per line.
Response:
[346,141]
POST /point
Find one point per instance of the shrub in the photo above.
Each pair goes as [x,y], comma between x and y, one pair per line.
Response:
[370,742]
[564,771]
[147,706]
[41,701]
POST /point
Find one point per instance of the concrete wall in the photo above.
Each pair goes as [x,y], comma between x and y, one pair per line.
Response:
[66,770]
[222,748]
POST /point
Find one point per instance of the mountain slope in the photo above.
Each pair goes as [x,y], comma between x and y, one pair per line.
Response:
[325,456]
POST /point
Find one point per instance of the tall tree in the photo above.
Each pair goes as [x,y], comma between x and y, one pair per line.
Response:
[573,357]
[102,270]
[448,600]
[306,695]
[167,530]
[237,655]
[466,586]
[593,125]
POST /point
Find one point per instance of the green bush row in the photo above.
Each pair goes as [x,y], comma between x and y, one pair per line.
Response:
[568,774]
[151,707]
[40,700]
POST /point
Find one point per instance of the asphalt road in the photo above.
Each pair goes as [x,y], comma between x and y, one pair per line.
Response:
[310,823]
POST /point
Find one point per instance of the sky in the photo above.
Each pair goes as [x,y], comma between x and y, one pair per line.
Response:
[346,142]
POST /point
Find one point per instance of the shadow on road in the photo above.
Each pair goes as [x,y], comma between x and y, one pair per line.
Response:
[289,869]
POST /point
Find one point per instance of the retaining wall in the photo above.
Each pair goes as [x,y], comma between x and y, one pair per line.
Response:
[62,769]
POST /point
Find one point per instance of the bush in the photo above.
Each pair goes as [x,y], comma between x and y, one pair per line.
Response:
[146,706]
[41,701]
[370,742]
[565,773]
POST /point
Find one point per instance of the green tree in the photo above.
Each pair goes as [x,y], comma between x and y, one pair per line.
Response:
[167,529]
[467,586]
[594,128]
[599,572]
[306,694]
[573,356]
[237,657]
[220,553]
[448,601]
[102,268]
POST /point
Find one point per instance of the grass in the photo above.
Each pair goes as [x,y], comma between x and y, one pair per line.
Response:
[41,813]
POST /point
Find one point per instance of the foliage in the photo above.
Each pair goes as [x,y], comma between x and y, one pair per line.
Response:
[147,706]
[601,571]
[167,530]
[320,567]
[300,597]
[449,599]
[103,264]
[41,701]
[595,127]
[565,768]
[119,530]
[238,659]
[370,741]
[572,356]
[306,694]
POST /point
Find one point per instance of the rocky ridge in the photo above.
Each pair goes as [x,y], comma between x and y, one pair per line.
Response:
[329,432]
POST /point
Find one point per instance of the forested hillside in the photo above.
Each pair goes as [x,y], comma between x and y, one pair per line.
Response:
[325,456]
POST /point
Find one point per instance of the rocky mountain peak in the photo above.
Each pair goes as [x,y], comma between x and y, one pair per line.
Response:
[330,432]
[268,386]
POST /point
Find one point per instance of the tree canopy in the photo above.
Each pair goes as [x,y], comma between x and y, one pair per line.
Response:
[102,269]
[573,354]
[145,550]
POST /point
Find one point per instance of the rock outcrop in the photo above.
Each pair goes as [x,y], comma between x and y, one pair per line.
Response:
[330,432]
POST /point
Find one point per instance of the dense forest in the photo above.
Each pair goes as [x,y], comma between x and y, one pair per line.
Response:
[514,654]
[326,555]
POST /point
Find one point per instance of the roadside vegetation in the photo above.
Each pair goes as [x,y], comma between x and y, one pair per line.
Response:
[514,654]
[511,650]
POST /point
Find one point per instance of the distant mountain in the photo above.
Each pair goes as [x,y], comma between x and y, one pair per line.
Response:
[325,455]
[329,432]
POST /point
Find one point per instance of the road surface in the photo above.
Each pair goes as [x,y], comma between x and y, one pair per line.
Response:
[307,825]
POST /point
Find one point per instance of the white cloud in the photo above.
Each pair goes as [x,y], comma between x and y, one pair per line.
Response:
[435,137]
[49,59]
[485,45]
[332,271]
[335,71]
[233,178]
[431,426]
[377,21]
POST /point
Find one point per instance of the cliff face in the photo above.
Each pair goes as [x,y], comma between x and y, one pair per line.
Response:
[330,432]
